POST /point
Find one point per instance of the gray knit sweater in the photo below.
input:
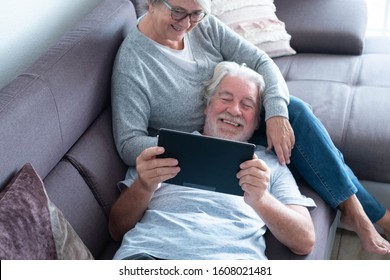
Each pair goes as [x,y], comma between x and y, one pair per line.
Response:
[149,91]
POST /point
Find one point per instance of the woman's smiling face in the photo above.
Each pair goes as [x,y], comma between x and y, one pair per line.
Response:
[170,32]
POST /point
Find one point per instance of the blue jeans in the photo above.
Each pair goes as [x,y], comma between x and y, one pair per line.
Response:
[321,164]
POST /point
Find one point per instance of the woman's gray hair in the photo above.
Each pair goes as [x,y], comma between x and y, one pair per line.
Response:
[205,4]
[229,68]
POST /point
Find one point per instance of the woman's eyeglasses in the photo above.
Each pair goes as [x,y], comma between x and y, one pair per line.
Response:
[179,14]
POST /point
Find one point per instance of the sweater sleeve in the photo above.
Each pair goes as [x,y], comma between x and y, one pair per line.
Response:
[130,107]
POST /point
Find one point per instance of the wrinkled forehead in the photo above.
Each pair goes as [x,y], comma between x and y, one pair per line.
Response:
[239,86]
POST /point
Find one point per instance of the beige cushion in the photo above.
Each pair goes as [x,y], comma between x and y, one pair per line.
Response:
[31,226]
[256,21]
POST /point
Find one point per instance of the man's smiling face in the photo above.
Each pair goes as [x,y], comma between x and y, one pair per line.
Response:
[233,111]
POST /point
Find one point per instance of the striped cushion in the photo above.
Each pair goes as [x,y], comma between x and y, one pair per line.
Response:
[256,21]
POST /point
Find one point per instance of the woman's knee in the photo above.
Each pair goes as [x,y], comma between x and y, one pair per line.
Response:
[299,109]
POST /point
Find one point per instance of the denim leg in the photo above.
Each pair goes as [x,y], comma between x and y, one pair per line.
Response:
[322,165]
[372,207]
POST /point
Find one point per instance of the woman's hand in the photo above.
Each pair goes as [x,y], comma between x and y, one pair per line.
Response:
[280,137]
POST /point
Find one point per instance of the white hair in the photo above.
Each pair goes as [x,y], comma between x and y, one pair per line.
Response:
[205,4]
[229,68]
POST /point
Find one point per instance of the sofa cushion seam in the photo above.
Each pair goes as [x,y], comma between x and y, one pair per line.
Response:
[88,181]
[353,87]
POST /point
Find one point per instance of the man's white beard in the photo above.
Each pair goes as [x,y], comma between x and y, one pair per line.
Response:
[212,129]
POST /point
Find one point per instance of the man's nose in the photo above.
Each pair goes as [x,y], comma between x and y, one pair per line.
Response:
[234,109]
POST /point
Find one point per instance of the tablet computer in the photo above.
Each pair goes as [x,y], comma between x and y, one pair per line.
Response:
[205,162]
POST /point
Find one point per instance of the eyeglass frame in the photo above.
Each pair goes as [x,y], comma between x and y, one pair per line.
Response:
[184,13]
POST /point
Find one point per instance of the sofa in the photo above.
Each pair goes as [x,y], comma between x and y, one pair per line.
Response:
[55,124]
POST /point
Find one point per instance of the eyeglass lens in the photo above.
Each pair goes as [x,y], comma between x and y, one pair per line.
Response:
[194,17]
[180,14]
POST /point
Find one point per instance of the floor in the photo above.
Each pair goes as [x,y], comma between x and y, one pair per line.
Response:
[347,247]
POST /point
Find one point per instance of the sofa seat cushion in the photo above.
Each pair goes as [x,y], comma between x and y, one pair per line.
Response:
[96,159]
[84,185]
[325,220]
[71,194]
[31,226]
[351,96]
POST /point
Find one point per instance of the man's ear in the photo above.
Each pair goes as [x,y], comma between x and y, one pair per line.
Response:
[205,110]
[257,126]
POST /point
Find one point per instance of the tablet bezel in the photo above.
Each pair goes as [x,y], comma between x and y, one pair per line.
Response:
[206,162]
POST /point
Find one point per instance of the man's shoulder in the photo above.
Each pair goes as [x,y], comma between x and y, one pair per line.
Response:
[269,157]
[261,150]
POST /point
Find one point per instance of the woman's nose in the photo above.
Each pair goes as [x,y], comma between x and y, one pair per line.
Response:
[185,22]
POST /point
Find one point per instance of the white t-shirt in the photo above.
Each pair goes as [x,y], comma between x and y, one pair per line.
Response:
[183,58]
[188,223]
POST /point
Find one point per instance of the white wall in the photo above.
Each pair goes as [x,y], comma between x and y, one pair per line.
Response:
[29,27]
[378,18]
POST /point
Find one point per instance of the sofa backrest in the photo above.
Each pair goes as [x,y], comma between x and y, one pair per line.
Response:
[318,26]
[22,30]
[140,6]
[56,116]
[48,107]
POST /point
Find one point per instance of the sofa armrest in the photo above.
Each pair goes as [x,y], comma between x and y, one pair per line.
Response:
[331,26]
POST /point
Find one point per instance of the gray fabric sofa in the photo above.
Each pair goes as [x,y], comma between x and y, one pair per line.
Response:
[57,116]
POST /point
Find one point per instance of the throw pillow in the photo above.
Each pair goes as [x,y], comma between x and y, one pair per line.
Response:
[31,226]
[256,21]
